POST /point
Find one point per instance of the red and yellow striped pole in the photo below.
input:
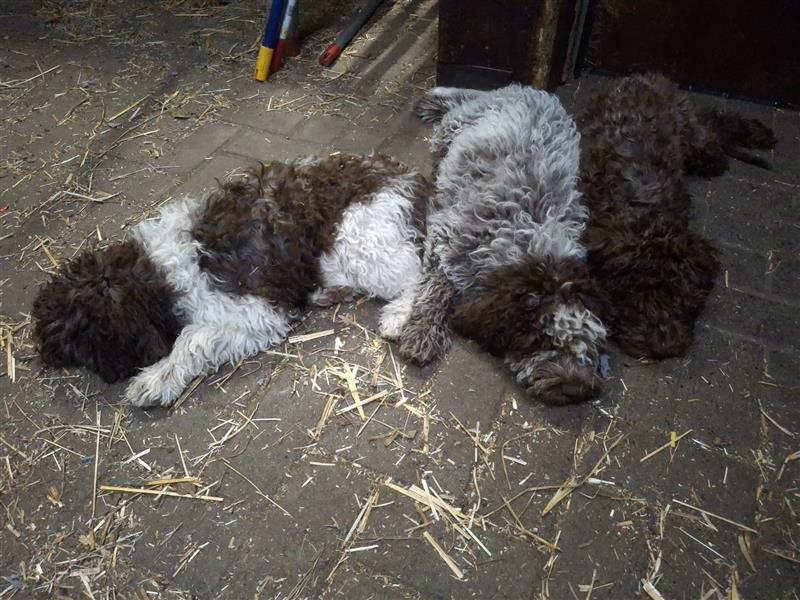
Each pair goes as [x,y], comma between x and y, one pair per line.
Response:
[281,49]
[269,41]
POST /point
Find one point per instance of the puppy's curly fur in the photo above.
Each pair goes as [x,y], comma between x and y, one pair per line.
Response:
[285,236]
[657,276]
[216,280]
[85,315]
[503,262]
[639,137]
[514,312]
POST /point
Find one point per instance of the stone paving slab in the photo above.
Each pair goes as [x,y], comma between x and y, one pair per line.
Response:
[259,145]
[754,318]
[721,376]
[594,524]
[256,116]
[510,572]
[352,580]
[526,470]
[320,130]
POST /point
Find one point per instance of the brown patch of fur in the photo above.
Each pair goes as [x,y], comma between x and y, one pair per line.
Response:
[107,310]
[640,135]
[503,314]
[264,234]
[631,146]
[657,277]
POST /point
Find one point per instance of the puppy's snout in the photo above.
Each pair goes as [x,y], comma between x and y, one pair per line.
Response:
[564,380]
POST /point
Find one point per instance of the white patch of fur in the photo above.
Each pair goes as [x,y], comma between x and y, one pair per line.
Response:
[220,327]
[578,331]
[377,251]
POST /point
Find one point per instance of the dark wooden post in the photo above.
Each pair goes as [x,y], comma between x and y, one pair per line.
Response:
[490,43]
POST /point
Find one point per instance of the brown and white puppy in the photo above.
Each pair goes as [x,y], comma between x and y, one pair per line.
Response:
[215,280]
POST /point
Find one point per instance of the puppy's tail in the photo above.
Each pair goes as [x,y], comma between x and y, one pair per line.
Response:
[737,132]
[437,102]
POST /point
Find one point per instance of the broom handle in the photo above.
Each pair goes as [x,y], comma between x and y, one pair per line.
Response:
[333,51]
[287,19]
[286,26]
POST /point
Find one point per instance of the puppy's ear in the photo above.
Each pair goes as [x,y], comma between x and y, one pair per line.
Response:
[108,366]
[483,316]
[155,342]
[57,322]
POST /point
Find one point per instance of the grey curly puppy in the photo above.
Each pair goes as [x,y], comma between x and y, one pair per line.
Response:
[503,260]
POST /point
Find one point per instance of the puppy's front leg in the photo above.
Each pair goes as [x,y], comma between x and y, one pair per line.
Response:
[396,313]
[426,335]
[199,349]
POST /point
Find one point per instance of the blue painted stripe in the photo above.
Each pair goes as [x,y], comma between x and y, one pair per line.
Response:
[273,24]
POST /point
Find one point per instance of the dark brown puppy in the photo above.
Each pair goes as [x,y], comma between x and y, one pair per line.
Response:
[639,137]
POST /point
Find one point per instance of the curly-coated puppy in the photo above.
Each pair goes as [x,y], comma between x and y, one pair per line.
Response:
[503,260]
[639,137]
[656,276]
[216,280]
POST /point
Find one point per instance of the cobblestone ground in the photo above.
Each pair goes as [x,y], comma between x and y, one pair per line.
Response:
[451,483]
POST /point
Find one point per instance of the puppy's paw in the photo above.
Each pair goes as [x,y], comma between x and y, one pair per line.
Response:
[394,316]
[330,296]
[391,325]
[756,135]
[152,387]
[422,343]
[141,394]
